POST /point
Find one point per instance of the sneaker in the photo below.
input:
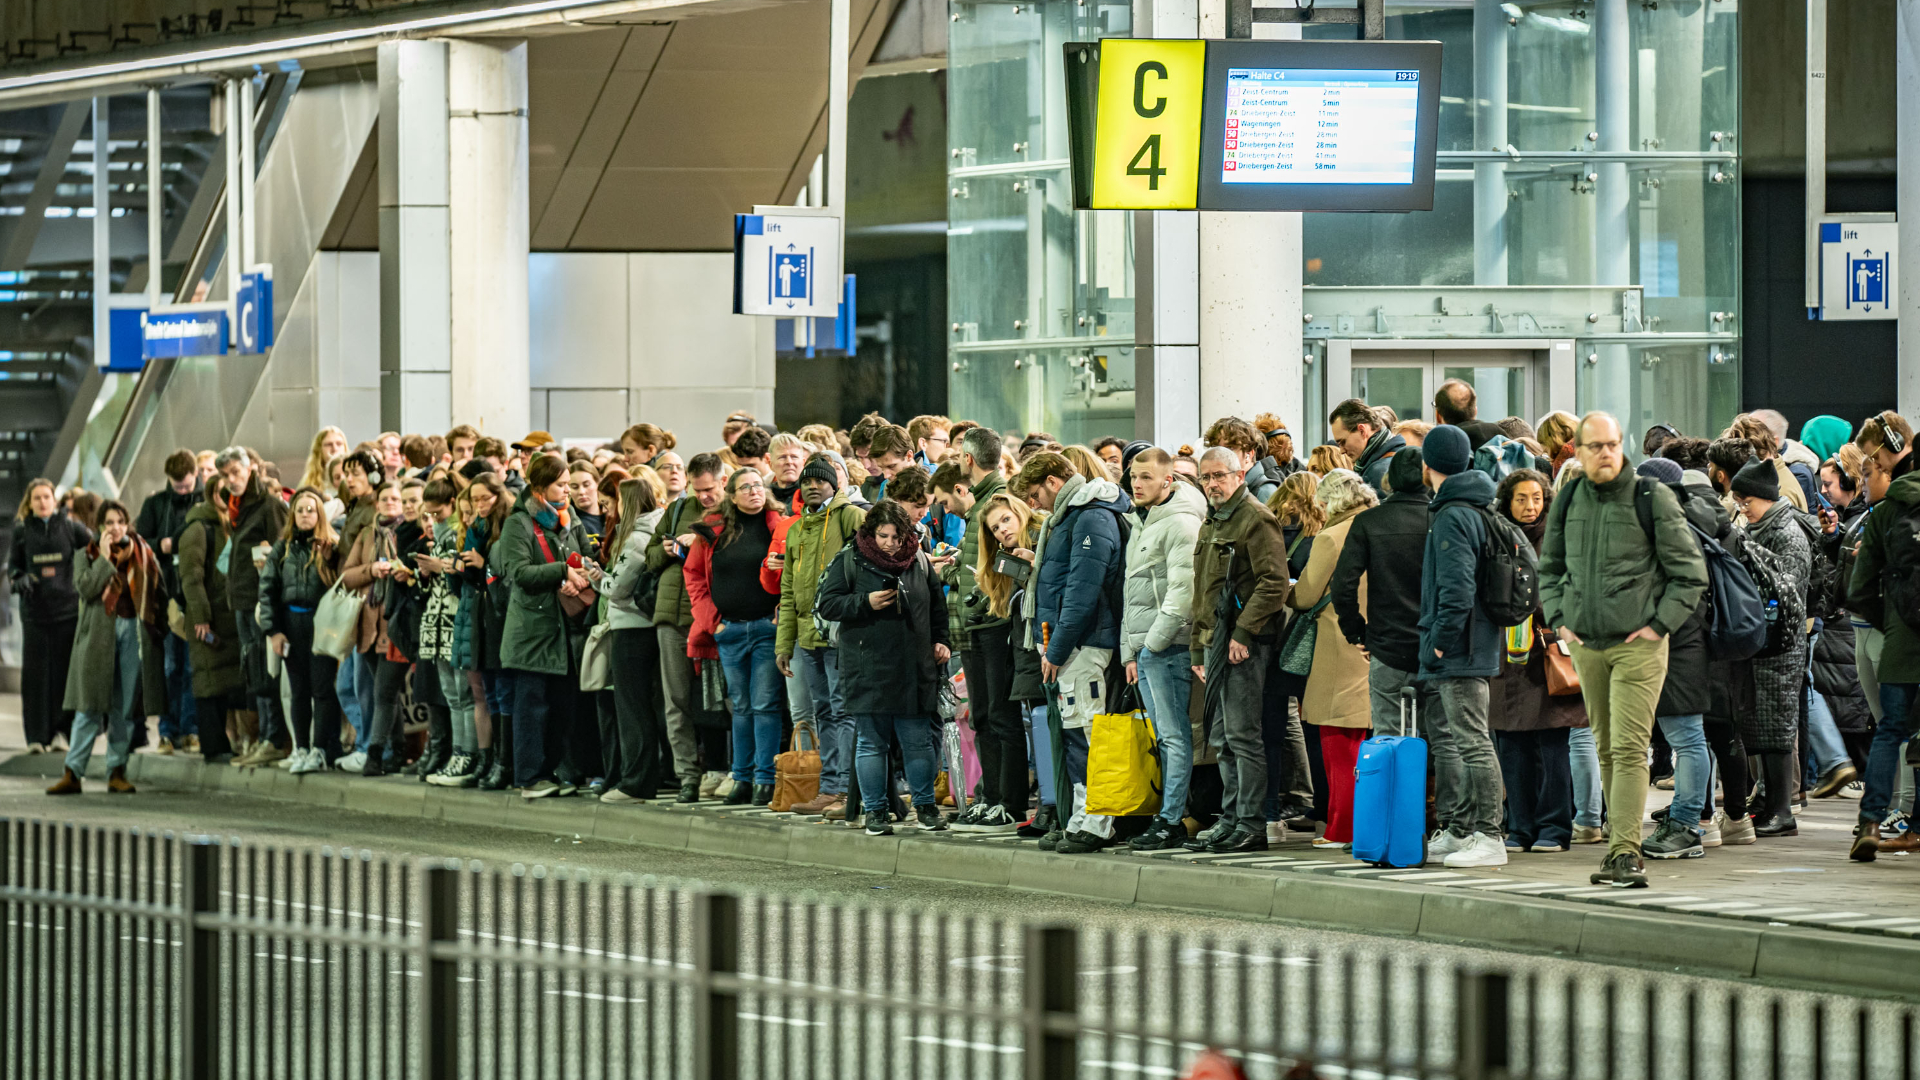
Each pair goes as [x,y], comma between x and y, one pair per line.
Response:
[1515,845]
[1589,834]
[1665,783]
[1673,841]
[266,753]
[1479,850]
[563,789]
[457,768]
[1037,826]
[1205,837]
[540,790]
[251,755]
[597,787]
[1546,847]
[192,745]
[710,784]
[991,820]
[165,748]
[1836,779]
[1854,790]
[930,818]
[1734,833]
[1051,841]
[1710,833]
[308,761]
[1081,843]
[616,797]
[877,825]
[1442,844]
[1321,843]
[1159,836]
[1894,823]
[1622,871]
[1277,832]
[354,762]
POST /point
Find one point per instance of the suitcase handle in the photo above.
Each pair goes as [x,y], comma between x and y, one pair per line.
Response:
[1409,711]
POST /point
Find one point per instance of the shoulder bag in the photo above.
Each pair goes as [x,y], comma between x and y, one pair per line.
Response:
[571,606]
[336,621]
[596,657]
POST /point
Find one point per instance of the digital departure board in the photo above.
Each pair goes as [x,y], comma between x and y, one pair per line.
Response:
[1319,126]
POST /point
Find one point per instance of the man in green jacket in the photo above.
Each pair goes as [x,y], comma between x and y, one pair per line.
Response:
[826,523]
[1241,544]
[986,644]
[673,613]
[1613,594]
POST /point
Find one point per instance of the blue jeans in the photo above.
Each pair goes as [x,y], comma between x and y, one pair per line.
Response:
[118,721]
[344,683]
[1823,738]
[1588,798]
[1040,748]
[178,721]
[877,736]
[1166,681]
[1692,768]
[820,670]
[753,688]
[1883,759]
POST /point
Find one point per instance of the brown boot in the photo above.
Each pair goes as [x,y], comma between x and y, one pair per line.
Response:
[117,782]
[816,804]
[68,784]
[1866,843]
[1906,841]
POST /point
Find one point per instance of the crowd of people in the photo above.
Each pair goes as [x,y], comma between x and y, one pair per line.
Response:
[1733,619]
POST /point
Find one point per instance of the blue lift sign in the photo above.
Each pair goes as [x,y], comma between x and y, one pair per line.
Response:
[786,265]
[1857,270]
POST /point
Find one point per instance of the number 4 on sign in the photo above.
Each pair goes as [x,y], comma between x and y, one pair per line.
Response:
[1153,172]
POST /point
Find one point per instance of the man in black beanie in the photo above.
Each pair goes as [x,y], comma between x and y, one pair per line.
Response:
[1384,545]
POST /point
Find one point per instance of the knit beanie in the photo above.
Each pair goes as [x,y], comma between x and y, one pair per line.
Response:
[1661,469]
[1447,450]
[1757,480]
[1403,469]
[819,468]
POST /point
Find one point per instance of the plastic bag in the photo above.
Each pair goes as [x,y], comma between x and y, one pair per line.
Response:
[1123,770]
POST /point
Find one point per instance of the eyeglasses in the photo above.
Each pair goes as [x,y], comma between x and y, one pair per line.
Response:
[1601,447]
[751,486]
[1209,477]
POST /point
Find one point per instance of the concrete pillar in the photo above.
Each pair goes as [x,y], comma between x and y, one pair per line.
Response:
[1613,386]
[1250,301]
[1907,274]
[488,234]
[1490,31]
[453,236]
[415,260]
[1166,282]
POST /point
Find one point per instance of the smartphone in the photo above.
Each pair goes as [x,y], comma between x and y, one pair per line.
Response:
[1013,566]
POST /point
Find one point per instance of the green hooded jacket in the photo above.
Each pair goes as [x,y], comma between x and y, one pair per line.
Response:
[672,606]
[813,539]
[538,636]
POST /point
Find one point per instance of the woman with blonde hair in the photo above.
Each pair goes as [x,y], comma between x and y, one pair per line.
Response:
[328,443]
[1088,464]
[299,570]
[1327,457]
[1555,432]
[1296,503]
[1337,701]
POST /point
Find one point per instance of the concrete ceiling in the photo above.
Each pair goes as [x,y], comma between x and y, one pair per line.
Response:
[650,137]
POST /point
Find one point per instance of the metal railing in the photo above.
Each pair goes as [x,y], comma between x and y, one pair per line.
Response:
[134,954]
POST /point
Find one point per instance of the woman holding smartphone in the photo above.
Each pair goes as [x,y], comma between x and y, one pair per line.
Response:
[375,565]
[298,572]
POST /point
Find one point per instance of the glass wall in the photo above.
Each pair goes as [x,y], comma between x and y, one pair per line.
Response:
[1039,295]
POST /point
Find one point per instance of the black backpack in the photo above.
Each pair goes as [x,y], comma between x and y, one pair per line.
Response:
[1736,625]
[1900,577]
[1508,571]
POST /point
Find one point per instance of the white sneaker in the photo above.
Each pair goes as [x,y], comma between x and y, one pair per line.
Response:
[1276,832]
[1442,844]
[615,797]
[354,762]
[1710,832]
[1480,850]
[990,819]
[306,761]
[1733,833]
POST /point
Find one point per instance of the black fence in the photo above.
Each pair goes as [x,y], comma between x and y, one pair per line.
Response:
[134,954]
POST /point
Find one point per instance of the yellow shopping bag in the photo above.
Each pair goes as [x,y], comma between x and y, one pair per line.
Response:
[1123,772]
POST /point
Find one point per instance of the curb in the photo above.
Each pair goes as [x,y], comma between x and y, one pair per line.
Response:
[1585,928]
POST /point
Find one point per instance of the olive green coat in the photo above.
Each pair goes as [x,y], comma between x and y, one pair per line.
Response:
[813,539]
[203,588]
[538,636]
[672,606]
[90,681]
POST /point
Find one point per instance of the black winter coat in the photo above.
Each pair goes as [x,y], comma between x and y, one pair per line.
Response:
[1386,544]
[1837,680]
[164,517]
[887,666]
[263,517]
[1688,686]
[40,545]
[290,579]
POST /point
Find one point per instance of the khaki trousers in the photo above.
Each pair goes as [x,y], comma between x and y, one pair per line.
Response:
[1621,687]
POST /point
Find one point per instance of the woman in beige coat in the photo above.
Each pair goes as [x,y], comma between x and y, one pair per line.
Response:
[1336,699]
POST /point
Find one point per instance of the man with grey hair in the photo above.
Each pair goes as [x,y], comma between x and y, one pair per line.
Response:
[256,515]
[1803,463]
[1240,588]
[1613,590]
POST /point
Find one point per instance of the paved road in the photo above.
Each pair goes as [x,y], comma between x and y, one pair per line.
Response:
[1284,992]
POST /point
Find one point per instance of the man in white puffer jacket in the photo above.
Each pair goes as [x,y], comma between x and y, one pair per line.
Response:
[1155,626]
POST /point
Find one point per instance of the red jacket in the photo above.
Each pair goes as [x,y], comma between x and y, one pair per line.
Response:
[699,578]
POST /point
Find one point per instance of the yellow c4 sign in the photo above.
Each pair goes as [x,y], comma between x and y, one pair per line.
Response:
[1146,152]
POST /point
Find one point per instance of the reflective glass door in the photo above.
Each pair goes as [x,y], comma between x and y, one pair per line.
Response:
[1503,380]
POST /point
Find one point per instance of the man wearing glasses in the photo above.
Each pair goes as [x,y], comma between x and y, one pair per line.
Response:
[1613,592]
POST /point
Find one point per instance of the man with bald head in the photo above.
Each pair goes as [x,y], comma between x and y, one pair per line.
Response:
[1619,571]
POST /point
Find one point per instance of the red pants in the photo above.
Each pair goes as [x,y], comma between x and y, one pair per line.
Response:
[1340,748]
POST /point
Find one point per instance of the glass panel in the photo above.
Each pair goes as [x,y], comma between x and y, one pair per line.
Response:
[1076,394]
[1660,384]
[1500,391]
[1404,389]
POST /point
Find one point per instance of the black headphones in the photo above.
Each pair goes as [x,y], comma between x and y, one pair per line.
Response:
[1890,440]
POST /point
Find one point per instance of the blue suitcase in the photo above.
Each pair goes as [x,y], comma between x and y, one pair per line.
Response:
[1390,794]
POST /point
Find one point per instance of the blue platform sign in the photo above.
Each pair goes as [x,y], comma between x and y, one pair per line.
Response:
[785,264]
[253,307]
[194,332]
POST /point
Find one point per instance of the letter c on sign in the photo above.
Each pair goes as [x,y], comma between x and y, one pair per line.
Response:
[1140,89]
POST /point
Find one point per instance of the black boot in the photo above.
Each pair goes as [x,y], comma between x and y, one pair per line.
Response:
[439,751]
[689,791]
[482,765]
[762,794]
[376,761]
[1776,818]
[741,795]
[498,774]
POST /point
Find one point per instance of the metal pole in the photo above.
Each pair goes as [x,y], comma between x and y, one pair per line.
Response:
[1613,191]
[1490,133]
[230,108]
[439,1046]
[716,1011]
[1481,1001]
[1907,112]
[1816,143]
[838,44]
[153,198]
[248,219]
[200,971]
[102,234]
[1051,974]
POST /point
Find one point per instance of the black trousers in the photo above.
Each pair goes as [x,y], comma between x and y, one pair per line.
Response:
[999,729]
[210,714]
[388,677]
[543,707]
[316,709]
[1730,758]
[426,691]
[635,744]
[46,653]
[1539,782]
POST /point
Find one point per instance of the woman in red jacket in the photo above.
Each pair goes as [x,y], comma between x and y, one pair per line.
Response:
[734,612]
